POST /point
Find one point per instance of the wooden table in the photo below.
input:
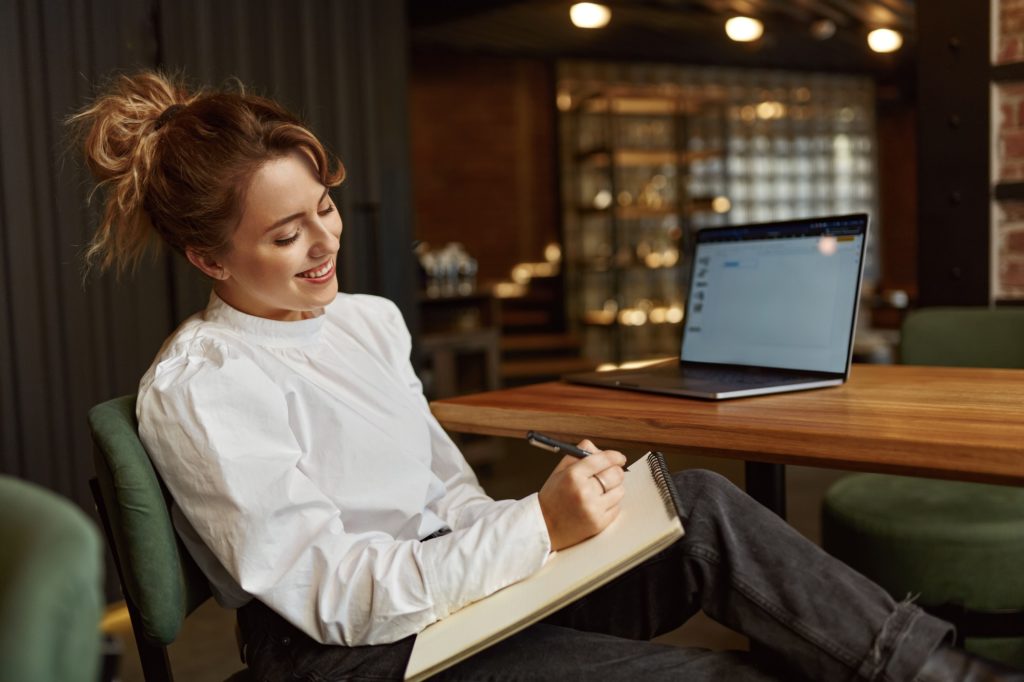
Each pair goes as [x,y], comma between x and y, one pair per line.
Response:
[944,422]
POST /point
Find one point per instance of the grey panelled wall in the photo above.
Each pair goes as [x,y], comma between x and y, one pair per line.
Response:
[65,345]
[342,67]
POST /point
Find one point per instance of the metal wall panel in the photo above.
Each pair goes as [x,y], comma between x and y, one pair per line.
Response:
[953,147]
[67,344]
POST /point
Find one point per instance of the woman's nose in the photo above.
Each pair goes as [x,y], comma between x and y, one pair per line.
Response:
[325,240]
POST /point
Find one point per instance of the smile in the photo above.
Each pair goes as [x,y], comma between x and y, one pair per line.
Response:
[321,273]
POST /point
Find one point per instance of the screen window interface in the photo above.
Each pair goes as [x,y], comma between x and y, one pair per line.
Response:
[786,301]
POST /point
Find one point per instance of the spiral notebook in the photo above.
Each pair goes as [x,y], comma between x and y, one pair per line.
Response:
[648,523]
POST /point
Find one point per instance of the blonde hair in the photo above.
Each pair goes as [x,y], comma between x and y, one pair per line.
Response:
[174,164]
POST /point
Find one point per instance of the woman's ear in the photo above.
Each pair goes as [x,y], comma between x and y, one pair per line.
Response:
[208,265]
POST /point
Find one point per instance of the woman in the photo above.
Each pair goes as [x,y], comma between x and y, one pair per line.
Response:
[322,499]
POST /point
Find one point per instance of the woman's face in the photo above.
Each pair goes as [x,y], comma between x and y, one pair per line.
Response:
[282,257]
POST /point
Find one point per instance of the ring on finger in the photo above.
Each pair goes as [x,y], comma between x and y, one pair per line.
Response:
[604,488]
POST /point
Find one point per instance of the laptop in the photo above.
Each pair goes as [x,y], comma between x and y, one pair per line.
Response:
[771,308]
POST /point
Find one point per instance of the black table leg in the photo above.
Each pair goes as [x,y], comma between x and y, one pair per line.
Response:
[766,483]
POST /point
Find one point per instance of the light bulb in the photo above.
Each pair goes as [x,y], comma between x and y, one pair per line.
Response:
[823,29]
[744,29]
[885,40]
[721,204]
[589,15]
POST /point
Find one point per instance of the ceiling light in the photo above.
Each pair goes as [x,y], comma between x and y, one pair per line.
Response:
[744,29]
[589,15]
[885,40]
[823,29]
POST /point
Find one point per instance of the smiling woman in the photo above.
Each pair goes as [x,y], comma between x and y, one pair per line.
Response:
[322,499]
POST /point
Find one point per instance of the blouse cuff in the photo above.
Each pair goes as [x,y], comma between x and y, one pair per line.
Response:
[497,551]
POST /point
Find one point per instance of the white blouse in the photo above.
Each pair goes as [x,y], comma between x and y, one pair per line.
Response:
[305,466]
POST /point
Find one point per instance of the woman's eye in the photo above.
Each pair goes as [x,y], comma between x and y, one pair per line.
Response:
[286,240]
[329,209]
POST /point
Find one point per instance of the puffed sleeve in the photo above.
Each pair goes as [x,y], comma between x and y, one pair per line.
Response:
[464,501]
[217,428]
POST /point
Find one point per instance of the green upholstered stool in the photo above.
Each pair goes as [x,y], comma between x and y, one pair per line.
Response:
[160,581]
[945,543]
[957,547]
[51,587]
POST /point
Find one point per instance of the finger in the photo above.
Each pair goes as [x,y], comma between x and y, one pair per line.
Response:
[612,477]
[566,462]
[612,499]
[588,445]
[618,457]
[612,513]
[588,466]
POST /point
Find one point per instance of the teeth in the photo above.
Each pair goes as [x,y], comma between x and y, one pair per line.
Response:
[319,272]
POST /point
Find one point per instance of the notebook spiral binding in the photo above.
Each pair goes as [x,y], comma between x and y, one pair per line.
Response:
[663,478]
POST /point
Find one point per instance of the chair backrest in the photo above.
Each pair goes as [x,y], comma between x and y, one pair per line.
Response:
[964,337]
[51,587]
[161,582]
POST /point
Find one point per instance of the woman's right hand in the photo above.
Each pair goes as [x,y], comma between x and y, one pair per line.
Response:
[582,496]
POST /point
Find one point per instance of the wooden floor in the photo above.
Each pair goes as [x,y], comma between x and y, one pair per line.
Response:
[206,651]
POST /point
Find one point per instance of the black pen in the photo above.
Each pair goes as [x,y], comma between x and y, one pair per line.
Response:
[543,442]
[539,440]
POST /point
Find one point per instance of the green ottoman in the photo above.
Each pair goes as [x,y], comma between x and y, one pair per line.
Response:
[946,543]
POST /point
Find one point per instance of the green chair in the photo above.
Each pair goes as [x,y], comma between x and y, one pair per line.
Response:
[161,583]
[51,587]
[958,547]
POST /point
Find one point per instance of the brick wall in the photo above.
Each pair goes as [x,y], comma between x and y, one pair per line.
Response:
[483,157]
[1010,32]
[1010,250]
[1009,150]
[1010,133]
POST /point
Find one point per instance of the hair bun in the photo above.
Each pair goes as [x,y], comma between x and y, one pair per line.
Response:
[115,131]
[112,126]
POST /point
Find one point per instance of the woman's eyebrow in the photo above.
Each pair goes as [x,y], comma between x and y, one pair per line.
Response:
[288,219]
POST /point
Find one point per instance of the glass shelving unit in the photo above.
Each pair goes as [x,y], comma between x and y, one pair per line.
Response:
[653,153]
[632,199]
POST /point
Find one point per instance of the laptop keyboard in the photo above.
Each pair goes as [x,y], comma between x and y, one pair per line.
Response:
[746,377]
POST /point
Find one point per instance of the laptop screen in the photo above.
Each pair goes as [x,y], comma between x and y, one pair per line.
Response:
[776,295]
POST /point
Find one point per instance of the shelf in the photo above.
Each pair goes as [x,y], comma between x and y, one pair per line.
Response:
[654,100]
[696,205]
[592,267]
[534,342]
[615,324]
[545,367]
[632,212]
[1009,191]
[1008,73]
[638,158]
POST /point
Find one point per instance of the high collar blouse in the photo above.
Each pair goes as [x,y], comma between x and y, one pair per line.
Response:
[305,467]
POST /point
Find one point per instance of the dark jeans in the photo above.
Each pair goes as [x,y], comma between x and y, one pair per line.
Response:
[811,616]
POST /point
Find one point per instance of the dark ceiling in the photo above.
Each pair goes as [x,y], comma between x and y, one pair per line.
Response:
[684,31]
